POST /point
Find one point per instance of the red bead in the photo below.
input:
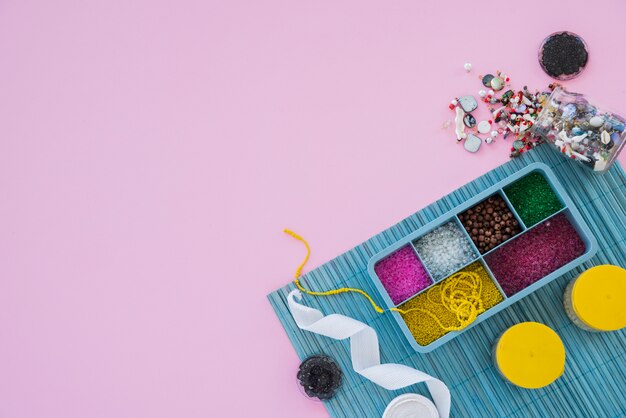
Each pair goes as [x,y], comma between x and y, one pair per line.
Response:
[451,106]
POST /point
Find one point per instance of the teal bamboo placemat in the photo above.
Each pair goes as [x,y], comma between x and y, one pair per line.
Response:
[594,382]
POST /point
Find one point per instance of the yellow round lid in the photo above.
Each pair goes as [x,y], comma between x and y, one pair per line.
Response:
[599,297]
[530,355]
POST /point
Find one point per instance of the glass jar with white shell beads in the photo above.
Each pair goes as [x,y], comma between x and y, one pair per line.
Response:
[580,130]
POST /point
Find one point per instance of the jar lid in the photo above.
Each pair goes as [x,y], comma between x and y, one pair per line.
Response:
[530,355]
[599,297]
[411,405]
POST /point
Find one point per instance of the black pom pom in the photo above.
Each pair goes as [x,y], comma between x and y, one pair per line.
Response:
[320,377]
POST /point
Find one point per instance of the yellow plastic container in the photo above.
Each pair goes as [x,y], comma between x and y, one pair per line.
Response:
[530,355]
[596,300]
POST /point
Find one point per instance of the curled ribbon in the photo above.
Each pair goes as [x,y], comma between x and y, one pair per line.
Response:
[365,352]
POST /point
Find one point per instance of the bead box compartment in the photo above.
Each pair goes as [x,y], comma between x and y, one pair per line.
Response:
[567,214]
[491,222]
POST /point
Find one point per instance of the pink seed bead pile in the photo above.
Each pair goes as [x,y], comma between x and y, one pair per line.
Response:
[402,274]
[535,254]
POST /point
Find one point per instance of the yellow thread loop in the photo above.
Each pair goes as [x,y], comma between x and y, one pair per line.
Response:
[458,294]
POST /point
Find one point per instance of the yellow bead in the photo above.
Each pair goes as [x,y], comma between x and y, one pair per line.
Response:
[452,304]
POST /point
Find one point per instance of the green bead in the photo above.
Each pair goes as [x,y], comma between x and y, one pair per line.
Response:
[533,198]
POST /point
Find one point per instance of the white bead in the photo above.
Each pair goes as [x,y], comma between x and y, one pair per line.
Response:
[494,134]
[467,66]
[596,121]
[483,126]
[455,102]
[491,92]
[482,93]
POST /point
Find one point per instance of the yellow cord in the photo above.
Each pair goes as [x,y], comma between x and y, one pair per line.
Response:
[328,292]
[453,299]
[308,251]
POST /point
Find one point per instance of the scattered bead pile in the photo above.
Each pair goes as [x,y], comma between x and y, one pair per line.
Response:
[516,115]
[451,304]
[535,254]
[533,198]
[444,250]
[402,274]
[490,223]
[513,113]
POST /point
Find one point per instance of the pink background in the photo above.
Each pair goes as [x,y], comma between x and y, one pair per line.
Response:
[152,151]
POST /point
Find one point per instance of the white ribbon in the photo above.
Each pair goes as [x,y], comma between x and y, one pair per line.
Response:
[365,352]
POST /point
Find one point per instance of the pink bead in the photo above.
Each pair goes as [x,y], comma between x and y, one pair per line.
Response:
[535,254]
[402,274]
